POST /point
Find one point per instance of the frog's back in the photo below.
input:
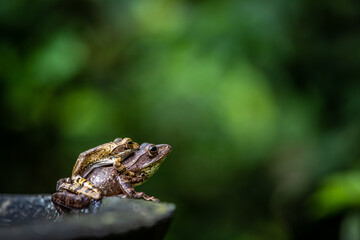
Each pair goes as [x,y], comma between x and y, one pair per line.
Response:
[105,179]
[91,156]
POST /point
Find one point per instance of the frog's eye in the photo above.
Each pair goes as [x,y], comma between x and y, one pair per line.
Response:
[127,142]
[153,151]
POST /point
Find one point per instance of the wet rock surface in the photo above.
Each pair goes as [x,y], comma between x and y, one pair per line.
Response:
[34,217]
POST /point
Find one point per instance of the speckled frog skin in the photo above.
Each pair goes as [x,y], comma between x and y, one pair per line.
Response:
[110,182]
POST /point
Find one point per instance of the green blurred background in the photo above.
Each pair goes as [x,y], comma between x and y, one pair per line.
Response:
[260,101]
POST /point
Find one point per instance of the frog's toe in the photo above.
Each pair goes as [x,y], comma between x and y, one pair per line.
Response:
[155,200]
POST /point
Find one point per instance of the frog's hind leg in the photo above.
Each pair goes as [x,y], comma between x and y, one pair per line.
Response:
[79,189]
[121,168]
[88,189]
[65,201]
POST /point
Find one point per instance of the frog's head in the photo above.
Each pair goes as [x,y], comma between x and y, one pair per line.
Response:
[123,146]
[147,159]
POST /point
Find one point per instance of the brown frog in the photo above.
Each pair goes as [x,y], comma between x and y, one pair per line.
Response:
[110,182]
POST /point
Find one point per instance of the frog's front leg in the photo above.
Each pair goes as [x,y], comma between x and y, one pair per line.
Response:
[65,201]
[121,168]
[130,192]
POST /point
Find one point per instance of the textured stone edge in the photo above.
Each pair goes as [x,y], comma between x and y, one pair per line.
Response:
[144,217]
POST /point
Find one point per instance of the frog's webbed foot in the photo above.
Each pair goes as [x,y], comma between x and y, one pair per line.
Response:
[146,197]
[61,181]
[121,168]
[138,195]
[77,188]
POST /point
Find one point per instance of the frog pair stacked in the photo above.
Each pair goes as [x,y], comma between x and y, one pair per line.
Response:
[110,169]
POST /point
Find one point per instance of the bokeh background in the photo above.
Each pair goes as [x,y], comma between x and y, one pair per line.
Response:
[259,100]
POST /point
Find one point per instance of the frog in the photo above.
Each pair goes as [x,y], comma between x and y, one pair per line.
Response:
[111,153]
[110,182]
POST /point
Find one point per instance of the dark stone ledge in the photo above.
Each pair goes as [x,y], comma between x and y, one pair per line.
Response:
[34,217]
